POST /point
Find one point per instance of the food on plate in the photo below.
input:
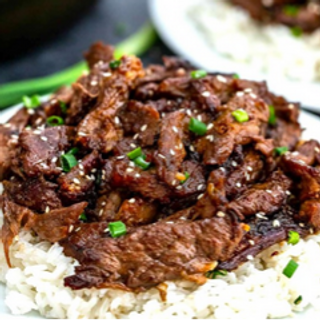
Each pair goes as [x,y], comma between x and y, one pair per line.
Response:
[145,184]
[275,37]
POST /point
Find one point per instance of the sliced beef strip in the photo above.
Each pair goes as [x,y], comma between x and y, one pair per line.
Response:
[53,226]
[141,120]
[310,213]
[36,194]
[309,152]
[79,183]
[40,150]
[265,198]
[107,206]
[99,52]
[152,254]
[136,212]
[263,234]
[171,151]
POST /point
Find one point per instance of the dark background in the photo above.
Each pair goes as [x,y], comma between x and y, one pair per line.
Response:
[107,20]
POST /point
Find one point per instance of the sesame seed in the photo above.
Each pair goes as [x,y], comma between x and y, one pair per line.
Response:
[240,94]
[78,229]
[14,136]
[200,196]
[88,177]
[234,164]
[53,101]
[221,78]
[132,145]
[172,152]
[173,183]
[291,106]
[144,127]
[82,134]
[100,212]
[261,215]
[94,83]
[81,173]
[94,170]
[71,228]
[120,157]
[210,137]
[189,113]
[311,231]
[103,203]
[179,187]
[199,117]
[253,96]
[269,191]
[81,166]
[183,218]
[161,156]
[247,90]
[76,181]
[129,170]
[106,74]
[251,242]
[136,136]
[116,120]
[295,153]
[106,230]
[301,161]
[30,111]
[175,129]
[137,175]
[222,169]
[249,169]
[249,257]
[276,223]
[316,149]
[54,159]
[301,225]
[133,200]
[191,148]
[7,125]
[210,126]
[37,132]
[221,214]
[238,185]
[47,209]
[199,187]
[169,222]
[205,94]
[43,138]
[288,193]
[131,164]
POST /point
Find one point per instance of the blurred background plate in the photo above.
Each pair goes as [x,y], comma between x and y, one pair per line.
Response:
[171,20]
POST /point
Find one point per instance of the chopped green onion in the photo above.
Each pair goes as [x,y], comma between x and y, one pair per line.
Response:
[83,217]
[240,115]
[296,31]
[54,121]
[236,76]
[140,162]
[63,107]
[197,127]
[68,161]
[134,153]
[115,64]
[290,269]
[31,102]
[298,300]
[214,273]
[291,10]
[187,176]
[198,74]
[281,150]
[293,237]
[73,151]
[117,229]
[272,116]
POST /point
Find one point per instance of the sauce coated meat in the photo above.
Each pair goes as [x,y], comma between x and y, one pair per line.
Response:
[203,170]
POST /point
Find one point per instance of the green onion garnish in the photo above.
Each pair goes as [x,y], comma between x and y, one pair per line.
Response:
[134,153]
[272,117]
[142,163]
[54,121]
[198,74]
[63,107]
[68,161]
[83,217]
[291,10]
[281,150]
[236,76]
[115,64]
[296,31]
[197,127]
[214,273]
[290,269]
[31,102]
[187,176]
[117,229]
[298,300]
[293,237]
[240,115]
[73,151]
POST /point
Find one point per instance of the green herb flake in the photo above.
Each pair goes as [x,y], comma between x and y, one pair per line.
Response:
[83,217]
[298,300]
[296,31]
[198,74]
[281,150]
[272,115]
[214,273]
[291,10]
[31,102]
[293,237]
[115,64]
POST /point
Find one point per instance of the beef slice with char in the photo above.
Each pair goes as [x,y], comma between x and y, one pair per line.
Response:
[150,255]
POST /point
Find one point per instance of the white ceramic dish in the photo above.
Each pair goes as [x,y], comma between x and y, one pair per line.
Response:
[171,20]
[310,122]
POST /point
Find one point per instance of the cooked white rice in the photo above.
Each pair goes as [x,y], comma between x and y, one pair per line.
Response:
[257,290]
[270,49]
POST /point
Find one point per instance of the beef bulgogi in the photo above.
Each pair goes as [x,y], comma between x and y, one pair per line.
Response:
[156,174]
[301,15]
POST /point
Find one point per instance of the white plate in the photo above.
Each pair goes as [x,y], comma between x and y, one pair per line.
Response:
[310,122]
[176,30]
